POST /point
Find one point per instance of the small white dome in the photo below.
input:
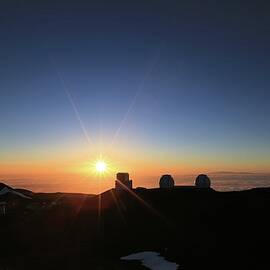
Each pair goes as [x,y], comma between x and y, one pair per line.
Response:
[202,181]
[166,181]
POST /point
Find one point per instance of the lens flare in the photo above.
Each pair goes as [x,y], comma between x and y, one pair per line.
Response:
[101,166]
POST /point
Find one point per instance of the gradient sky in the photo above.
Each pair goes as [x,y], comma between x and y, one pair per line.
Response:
[152,86]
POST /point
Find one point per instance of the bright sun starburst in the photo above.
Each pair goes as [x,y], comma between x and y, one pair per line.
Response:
[101,166]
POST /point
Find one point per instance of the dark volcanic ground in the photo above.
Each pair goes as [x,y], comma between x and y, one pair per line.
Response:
[198,229]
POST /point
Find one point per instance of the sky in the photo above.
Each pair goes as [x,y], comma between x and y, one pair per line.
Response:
[151,87]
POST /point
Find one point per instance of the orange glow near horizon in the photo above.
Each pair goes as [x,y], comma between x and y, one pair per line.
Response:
[73,168]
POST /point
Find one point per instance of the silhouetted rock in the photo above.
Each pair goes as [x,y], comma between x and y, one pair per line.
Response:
[7,190]
[195,228]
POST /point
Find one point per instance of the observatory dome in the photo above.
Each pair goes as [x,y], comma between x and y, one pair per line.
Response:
[202,181]
[166,181]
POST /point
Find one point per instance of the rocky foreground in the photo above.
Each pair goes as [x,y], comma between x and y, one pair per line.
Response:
[196,228]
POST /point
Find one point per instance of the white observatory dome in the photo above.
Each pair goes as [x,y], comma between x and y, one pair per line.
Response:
[166,181]
[202,181]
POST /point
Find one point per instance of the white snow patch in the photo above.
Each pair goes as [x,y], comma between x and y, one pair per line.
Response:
[152,260]
[6,190]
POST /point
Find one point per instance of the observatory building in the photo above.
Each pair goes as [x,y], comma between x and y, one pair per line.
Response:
[202,181]
[122,181]
[166,181]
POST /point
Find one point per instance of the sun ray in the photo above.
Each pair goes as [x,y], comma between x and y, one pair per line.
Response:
[118,205]
[71,101]
[147,205]
[137,94]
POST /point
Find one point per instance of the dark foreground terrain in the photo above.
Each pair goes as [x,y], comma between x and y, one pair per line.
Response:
[197,228]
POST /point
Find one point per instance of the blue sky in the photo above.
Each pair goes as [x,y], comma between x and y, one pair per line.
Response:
[181,77]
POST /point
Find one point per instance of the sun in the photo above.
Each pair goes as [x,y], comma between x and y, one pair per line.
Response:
[101,166]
